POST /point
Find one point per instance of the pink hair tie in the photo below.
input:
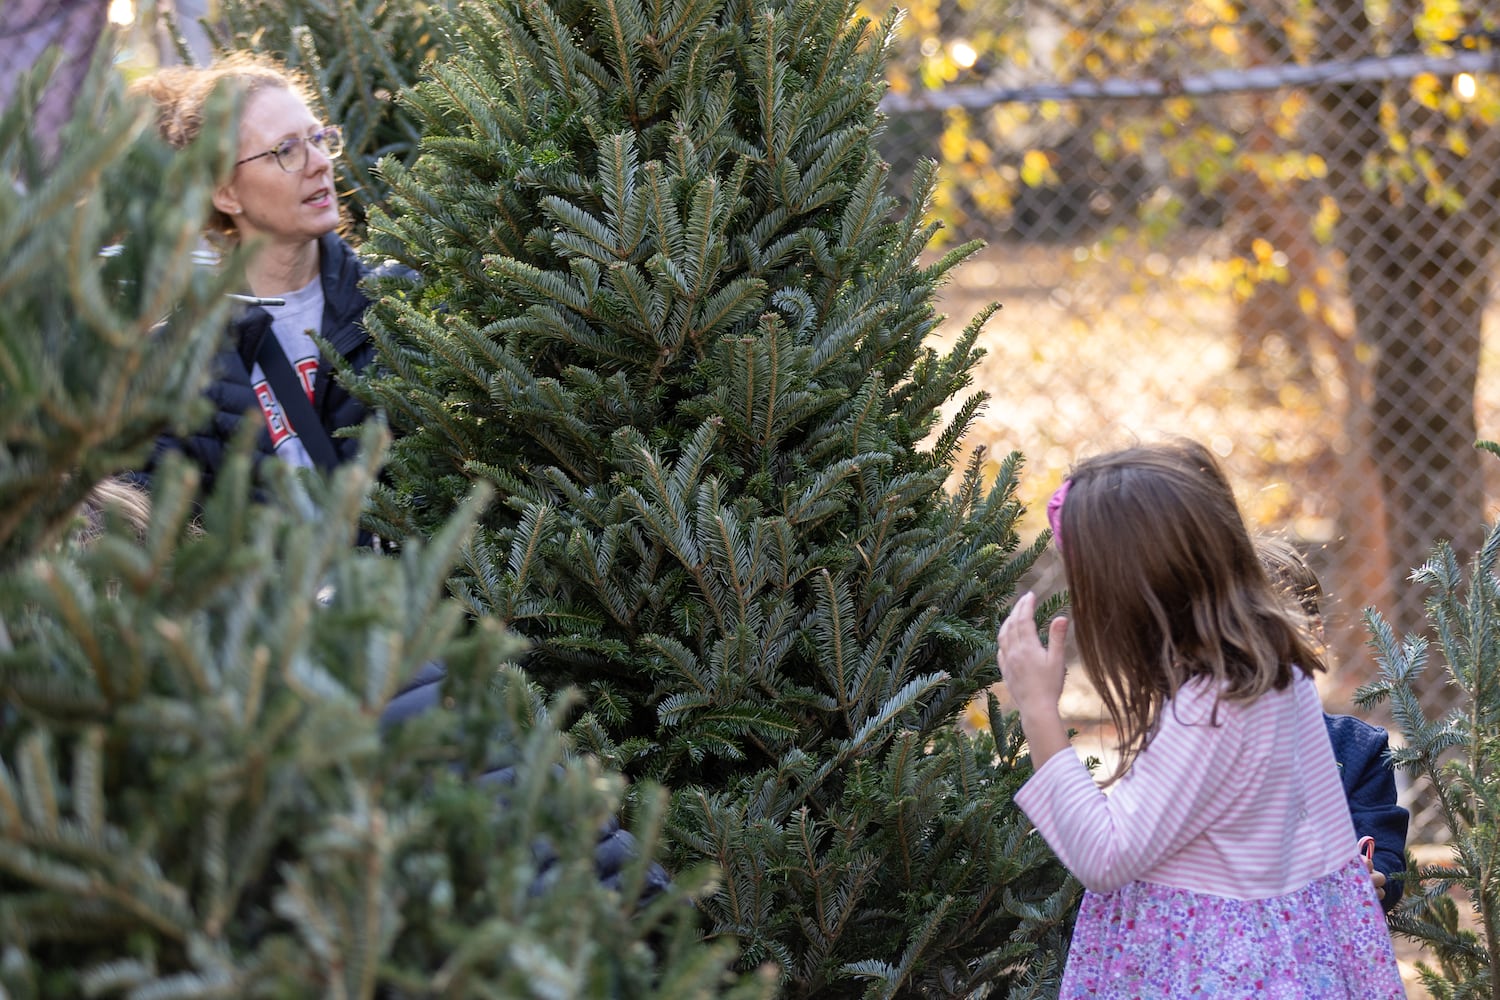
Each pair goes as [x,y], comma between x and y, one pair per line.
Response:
[1054,512]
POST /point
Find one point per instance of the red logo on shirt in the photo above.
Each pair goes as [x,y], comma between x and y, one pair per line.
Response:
[276,421]
[307,371]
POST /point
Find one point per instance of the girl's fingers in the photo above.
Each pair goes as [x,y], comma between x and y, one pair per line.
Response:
[1057,637]
[1017,638]
[1021,614]
[1057,633]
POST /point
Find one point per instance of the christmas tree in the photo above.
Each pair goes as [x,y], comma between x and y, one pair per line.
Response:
[670,312]
[87,274]
[1452,908]
[197,795]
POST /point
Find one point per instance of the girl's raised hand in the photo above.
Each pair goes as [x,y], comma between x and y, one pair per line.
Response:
[1032,672]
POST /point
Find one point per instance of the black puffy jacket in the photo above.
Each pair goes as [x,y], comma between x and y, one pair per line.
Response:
[344,305]
[616,846]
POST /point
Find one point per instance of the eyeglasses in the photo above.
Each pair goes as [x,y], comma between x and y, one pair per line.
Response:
[291,154]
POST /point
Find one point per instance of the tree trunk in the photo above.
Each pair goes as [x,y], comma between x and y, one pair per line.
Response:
[28,28]
[1418,277]
[1422,280]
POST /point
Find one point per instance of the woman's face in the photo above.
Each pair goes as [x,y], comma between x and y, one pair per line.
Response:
[287,207]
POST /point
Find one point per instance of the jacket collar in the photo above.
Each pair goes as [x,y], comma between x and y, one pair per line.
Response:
[340,271]
[343,301]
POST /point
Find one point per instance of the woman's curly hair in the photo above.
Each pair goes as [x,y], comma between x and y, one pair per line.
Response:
[180,94]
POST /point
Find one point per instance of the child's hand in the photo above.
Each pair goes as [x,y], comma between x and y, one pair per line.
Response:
[1366,848]
[1376,878]
[1032,672]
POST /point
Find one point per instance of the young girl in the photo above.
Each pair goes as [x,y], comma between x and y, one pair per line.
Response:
[1222,863]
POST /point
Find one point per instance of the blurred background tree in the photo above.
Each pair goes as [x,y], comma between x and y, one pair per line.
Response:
[28,29]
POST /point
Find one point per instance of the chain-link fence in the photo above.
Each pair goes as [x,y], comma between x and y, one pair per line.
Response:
[1266,227]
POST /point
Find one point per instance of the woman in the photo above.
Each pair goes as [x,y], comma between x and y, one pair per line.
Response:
[279,199]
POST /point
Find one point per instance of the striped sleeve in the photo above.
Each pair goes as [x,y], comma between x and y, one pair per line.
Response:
[1173,791]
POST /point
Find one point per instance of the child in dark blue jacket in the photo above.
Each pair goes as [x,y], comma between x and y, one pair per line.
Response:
[1361,750]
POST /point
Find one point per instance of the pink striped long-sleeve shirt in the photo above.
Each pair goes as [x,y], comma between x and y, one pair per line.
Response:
[1249,808]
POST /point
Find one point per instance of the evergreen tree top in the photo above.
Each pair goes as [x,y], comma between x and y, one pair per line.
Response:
[670,311]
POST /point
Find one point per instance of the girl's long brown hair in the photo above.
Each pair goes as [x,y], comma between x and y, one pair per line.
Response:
[1166,586]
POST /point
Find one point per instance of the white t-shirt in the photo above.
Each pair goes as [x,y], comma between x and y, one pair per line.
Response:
[292,325]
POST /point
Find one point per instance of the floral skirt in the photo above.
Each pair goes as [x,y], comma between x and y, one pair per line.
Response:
[1325,941]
